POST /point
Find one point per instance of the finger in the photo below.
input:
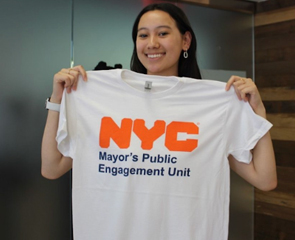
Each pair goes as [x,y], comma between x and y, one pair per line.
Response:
[238,93]
[69,89]
[247,91]
[242,88]
[244,82]
[66,79]
[244,96]
[76,75]
[238,84]
[76,72]
[246,85]
[69,71]
[66,71]
[80,69]
[69,84]
[73,74]
[230,82]
[234,80]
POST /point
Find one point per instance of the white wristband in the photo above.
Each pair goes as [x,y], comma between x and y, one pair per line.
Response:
[52,106]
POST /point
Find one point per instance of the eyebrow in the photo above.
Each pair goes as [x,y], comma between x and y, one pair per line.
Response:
[162,26]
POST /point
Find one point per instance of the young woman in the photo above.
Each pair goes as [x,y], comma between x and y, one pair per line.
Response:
[165,45]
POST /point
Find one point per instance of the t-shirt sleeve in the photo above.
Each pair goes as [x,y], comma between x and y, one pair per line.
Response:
[66,133]
[243,129]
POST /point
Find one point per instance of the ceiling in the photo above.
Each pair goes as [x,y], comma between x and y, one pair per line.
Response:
[233,5]
[247,6]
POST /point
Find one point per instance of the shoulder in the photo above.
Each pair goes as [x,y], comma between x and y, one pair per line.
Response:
[204,82]
[209,87]
[104,73]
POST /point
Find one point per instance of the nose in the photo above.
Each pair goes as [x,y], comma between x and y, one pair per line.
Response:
[153,42]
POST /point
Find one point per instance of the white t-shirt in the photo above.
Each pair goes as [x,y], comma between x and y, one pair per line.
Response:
[150,155]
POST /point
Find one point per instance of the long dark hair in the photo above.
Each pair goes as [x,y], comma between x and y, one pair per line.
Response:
[187,67]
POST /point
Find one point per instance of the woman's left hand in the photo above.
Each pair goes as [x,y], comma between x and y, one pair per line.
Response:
[247,91]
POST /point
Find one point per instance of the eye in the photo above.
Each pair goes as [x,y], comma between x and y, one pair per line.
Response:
[163,34]
[142,35]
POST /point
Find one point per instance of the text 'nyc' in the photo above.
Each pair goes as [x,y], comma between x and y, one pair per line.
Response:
[121,135]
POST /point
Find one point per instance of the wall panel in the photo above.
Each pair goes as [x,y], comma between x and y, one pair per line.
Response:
[275,77]
[34,43]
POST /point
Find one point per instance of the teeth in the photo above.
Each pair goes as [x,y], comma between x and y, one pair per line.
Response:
[154,55]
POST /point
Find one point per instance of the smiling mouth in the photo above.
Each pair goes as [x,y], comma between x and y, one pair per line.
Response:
[155,55]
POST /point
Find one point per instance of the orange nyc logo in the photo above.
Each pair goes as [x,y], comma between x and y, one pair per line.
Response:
[121,135]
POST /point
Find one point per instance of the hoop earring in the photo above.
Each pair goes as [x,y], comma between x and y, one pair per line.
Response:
[185,54]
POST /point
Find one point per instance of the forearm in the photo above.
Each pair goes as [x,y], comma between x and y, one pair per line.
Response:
[264,158]
[261,171]
[264,164]
[53,163]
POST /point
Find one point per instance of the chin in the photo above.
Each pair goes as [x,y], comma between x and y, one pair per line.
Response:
[154,72]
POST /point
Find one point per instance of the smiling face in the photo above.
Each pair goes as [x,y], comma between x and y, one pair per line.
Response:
[159,43]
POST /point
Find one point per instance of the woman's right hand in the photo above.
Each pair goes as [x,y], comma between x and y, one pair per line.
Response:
[66,78]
